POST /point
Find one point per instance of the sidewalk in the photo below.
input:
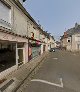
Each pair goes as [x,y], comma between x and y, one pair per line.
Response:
[16,78]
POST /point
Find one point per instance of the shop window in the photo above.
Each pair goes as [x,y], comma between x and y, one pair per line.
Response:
[7,55]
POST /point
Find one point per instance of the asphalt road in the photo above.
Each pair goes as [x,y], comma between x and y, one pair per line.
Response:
[59,73]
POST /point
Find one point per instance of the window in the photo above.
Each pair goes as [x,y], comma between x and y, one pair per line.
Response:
[68,40]
[5,13]
[77,38]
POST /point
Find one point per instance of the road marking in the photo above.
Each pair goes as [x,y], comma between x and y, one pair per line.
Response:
[55,58]
[74,54]
[50,83]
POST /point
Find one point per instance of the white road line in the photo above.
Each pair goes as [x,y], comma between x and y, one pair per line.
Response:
[74,54]
[55,58]
[61,82]
[50,83]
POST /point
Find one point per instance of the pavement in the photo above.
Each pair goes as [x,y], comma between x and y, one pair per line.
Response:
[17,77]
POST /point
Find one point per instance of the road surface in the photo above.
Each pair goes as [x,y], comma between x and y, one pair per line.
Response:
[59,73]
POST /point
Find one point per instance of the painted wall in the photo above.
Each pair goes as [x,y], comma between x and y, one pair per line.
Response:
[76,42]
[20,22]
[69,43]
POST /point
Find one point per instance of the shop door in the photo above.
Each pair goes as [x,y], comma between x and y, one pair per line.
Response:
[44,48]
[20,56]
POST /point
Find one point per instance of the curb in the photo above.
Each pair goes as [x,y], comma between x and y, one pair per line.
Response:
[28,75]
[14,86]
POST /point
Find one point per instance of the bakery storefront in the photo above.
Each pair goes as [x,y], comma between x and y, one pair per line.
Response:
[34,49]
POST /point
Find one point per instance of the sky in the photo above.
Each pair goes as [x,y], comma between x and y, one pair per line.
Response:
[55,16]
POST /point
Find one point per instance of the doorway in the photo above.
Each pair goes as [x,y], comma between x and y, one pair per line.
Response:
[20,56]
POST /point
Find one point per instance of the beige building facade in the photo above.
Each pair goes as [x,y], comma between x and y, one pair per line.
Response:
[71,43]
[21,38]
[76,42]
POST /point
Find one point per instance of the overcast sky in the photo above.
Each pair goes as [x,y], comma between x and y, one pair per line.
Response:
[54,15]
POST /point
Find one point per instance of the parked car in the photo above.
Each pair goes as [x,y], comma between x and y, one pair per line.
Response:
[52,50]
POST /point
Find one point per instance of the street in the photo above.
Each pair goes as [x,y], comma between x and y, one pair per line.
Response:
[59,73]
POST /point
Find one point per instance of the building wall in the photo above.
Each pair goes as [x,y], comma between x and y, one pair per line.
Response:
[76,42]
[69,43]
[20,22]
[64,42]
[51,43]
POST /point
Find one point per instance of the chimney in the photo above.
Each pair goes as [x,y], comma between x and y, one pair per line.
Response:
[65,34]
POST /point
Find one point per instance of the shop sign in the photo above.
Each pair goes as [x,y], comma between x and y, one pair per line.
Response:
[5,36]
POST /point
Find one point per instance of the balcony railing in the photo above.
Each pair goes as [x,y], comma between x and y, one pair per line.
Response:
[5,24]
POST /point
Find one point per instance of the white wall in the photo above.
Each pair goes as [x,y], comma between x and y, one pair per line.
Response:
[75,42]
[20,22]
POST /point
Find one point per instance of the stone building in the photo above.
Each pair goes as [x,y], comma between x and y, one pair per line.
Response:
[21,38]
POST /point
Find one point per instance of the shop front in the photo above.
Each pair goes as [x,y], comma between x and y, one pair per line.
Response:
[34,49]
[20,53]
[12,52]
[7,55]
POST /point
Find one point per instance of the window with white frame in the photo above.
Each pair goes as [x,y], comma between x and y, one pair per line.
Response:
[77,38]
[69,39]
[5,13]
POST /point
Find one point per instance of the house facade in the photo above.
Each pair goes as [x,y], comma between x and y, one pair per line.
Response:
[13,42]
[21,38]
[51,42]
[76,42]
[71,39]
[66,41]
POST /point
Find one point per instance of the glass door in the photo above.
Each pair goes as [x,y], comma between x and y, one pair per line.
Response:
[20,56]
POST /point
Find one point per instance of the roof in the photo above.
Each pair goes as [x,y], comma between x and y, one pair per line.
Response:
[24,11]
[28,15]
[74,30]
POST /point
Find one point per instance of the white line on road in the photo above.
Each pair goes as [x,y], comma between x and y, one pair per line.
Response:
[55,58]
[50,83]
[74,54]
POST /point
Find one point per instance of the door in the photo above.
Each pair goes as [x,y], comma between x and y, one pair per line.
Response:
[78,46]
[20,56]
